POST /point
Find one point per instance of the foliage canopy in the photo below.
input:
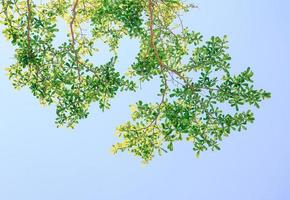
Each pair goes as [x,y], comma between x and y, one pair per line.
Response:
[192,94]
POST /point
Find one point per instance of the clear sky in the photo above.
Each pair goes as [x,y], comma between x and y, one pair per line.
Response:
[40,162]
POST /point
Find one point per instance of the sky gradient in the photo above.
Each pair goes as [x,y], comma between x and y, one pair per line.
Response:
[40,162]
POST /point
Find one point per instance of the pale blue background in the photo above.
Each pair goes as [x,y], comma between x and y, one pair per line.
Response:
[40,162]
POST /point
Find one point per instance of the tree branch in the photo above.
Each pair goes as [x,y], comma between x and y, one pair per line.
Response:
[152,43]
[74,14]
[28,27]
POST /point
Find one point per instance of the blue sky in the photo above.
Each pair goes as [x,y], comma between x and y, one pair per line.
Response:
[39,161]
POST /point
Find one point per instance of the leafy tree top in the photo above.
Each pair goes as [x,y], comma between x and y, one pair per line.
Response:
[192,94]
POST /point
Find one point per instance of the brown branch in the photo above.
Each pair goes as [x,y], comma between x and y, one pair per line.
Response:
[164,69]
[152,43]
[160,62]
[74,14]
[28,27]
[152,35]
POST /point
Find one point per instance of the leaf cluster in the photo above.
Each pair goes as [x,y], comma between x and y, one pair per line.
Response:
[200,100]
